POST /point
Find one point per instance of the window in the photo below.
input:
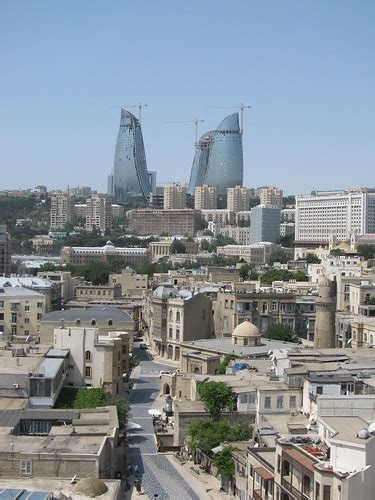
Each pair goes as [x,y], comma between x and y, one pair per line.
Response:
[14,318]
[25,467]
[319,389]
[326,492]
[39,304]
[292,402]
[27,332]
[317,490]
[170,333]
[118,355]
[14,330]
[88,356]
[170,315]
[27,321]
[286,468]
[110,322]
[88,372]
[78,322]
[267,402]
[177,334]
[118,371]
[274,306]
[278,463]
[178,316]
[39,316]
[27,308]
[280,401]
[14,307]
[93,322]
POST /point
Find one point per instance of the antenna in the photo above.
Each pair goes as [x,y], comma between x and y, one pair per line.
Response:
[195,121]
[241,107]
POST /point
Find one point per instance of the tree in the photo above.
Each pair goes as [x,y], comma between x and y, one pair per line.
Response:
[336,252]
[133,361]
[224,364]
[272,275]
[224,463]
[216,397]
[312,259]
[177,247]
[207,232]
[366,251]
[277,331]
[207,434]
[279,256]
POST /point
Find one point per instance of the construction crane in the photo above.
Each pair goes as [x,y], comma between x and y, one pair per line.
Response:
[140,105]
[195,121]
[241,107]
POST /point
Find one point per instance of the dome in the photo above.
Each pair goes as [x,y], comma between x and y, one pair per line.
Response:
[246,329]
[90,487]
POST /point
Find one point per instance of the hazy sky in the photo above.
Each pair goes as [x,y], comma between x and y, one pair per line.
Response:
[307,67]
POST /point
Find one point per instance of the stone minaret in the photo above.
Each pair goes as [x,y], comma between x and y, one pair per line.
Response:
[325,314]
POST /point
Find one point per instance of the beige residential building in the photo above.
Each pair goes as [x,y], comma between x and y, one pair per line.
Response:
[205,197]
[97,292]
[80,210]
[62,210]
[21,310]
[240,235]
[175,196]
[98,214]
[5,252]
[270,195]
[107,253]
[223,215]
[117,210]
[144,221]
[95,359]
[160,249]
[129,280]
[65,282]
[42,243]
[238,199]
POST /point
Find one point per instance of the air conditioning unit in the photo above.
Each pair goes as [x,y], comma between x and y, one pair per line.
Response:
[16,386]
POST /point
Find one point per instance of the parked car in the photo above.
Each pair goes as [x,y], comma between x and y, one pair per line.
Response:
[164,372]
[143,346]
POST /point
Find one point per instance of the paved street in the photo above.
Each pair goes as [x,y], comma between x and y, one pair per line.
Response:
[156,472]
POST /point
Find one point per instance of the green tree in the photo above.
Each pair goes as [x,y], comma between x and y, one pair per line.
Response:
[312,259]
[281,332]
[225,363]
[177,247]
[366,251]
[279,256]
[223,461]
[216,397]
[207,232]
[336,252]
[133,361]
[281,275]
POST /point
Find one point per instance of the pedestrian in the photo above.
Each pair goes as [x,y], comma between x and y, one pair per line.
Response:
[136,470]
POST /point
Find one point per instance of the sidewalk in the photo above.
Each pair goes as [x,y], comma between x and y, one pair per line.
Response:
[207,485]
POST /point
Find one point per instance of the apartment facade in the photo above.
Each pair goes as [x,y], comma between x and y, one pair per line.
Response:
[62,210]
[238,199]
[175,196]
[265,224]
[270,195]
[5,252]
[326,216]
[145,221]
[98,214]
[21,311]
[205,197]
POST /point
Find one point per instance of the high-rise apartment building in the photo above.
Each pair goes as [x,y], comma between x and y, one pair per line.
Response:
[62,210]
[218,160]
[327,216]
[205,197]
[98,213]
[130,175]
[238,199]
[265,224]
[270,195]
[175,196]
[5,251]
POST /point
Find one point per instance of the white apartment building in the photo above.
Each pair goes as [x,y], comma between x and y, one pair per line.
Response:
[175,196]
[219,215]
[238,199]
[98,214]
[326,216]
[205,197]
[240,234]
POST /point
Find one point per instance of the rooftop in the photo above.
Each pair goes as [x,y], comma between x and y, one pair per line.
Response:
[99,313]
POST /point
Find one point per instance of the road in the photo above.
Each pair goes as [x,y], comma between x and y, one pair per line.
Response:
[157,474]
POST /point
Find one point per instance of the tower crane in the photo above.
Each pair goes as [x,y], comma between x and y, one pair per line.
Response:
[242,107]
[196,121]
[140,105]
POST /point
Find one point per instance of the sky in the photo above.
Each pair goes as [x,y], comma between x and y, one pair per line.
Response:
[306,67]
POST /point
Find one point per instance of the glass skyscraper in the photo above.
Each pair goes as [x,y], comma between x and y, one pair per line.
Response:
[130,175]
[218,160]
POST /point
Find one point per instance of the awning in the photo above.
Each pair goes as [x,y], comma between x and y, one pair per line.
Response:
[264,473]
[301,458]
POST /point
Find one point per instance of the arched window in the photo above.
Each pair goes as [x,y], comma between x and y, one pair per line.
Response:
[88,355]
[365,339]
[78,322]
[110,322]
[371,339]
[170,315]
[178,316]
[93,322]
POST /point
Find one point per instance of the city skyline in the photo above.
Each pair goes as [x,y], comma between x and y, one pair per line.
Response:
[310,126]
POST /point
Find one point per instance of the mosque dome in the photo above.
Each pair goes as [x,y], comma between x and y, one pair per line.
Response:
[90,487]
[246,329]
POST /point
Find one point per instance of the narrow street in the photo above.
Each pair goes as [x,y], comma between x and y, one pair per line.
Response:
[157,474]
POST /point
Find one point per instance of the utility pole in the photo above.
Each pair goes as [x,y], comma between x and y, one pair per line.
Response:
[241,107]
[196,121]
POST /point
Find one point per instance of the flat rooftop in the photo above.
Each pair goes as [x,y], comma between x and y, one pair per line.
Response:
[224,346]
[346,429]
